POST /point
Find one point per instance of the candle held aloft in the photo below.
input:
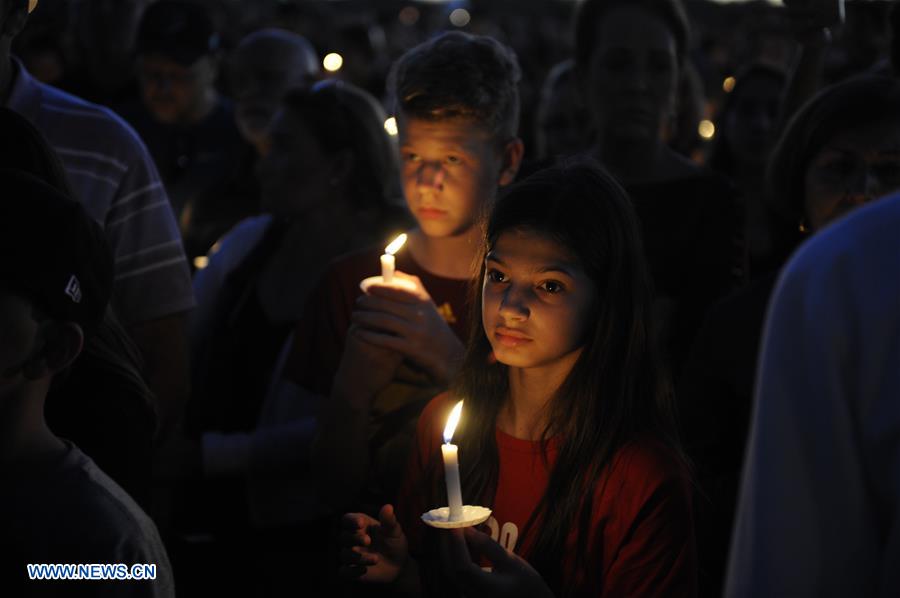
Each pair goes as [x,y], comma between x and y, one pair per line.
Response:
[451,465]
[388,262]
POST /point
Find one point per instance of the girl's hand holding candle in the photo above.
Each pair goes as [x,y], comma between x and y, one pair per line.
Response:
[510,575]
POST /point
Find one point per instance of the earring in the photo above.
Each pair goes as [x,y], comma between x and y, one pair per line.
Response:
[802,227]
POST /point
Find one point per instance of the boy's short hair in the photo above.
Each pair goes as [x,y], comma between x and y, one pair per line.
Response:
[458,75]
[52,253]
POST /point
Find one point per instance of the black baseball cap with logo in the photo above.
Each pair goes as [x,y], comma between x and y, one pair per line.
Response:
[176,29]
[52,253]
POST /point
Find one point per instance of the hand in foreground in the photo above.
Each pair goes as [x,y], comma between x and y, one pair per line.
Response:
[512,576]
[408,322]
[373,550]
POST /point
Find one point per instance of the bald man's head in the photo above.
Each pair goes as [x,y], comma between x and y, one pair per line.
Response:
[262,68]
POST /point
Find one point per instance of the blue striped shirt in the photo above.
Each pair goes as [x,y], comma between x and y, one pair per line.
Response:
[116,181]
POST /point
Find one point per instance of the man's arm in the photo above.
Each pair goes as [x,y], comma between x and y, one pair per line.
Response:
[152,290]
[164,345]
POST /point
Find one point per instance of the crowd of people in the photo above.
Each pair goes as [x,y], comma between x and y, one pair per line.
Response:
[635,251]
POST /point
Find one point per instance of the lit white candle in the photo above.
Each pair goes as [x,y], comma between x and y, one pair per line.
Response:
[451,465]
[388,262]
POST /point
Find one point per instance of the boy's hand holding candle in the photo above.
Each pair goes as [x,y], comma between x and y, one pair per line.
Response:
[409,323]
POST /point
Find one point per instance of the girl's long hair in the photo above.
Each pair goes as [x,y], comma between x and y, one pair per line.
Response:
[616,390]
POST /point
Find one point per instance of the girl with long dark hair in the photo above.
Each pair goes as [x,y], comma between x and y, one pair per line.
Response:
[567,431]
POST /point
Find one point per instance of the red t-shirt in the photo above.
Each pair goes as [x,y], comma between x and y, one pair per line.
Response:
[642,533]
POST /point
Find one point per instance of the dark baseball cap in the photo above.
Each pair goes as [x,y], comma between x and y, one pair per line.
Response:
[52,253]
[180,30]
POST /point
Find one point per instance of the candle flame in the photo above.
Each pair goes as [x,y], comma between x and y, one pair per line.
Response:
[395,245]
[450,428]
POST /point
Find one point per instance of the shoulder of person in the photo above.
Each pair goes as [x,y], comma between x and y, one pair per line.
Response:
[866,237]
[107,129]
[238,242]
[689,180]
[219,129]
[743,309]
[845,277]
[646,463]
[102,511]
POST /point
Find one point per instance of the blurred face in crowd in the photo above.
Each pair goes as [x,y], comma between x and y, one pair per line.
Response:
[260,72]
[296,174]
[560,128]
[172,92]
[449,169]
[633,76]
[750,121]
[855,167]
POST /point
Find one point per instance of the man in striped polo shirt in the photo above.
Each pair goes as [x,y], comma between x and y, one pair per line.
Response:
[116,181]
